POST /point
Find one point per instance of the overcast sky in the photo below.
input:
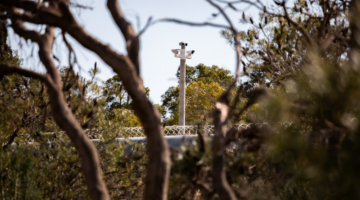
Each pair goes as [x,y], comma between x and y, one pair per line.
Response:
[158,64]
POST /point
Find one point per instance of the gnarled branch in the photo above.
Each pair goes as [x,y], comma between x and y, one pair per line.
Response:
[157,148]
[132,41]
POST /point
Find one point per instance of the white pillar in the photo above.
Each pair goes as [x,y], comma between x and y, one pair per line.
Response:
[182,91]
[183,55]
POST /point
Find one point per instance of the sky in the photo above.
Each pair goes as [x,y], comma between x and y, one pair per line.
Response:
[158,64]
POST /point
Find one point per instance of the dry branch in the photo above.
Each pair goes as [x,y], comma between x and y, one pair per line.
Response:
[132,41]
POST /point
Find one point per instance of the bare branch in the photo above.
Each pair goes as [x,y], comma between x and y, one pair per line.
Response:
[44,41]
[260,6]
[71,50]
[10,69]
[132,41]
[232,28]
[76,5]
[20,29]
[148,23]
[45,54]
[194,23]
[124,26]
[236,42]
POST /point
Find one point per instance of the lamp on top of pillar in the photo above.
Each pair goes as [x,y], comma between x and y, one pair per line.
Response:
[183,55]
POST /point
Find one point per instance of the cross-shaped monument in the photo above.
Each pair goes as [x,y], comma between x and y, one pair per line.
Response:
[183,55]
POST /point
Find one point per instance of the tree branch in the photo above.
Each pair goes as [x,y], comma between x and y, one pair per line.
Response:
[157,149]
[20,29]
[232,28]
[124,26]
[193,23]
[236,42]
[62,113]
[132,41]
[67,121]
[148,23]
[260,7]
[44,41]
[10,69]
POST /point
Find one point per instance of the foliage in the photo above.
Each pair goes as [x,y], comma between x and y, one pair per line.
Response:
[15,167]
[118,102]
[17,175]
[7,55]
[323,138]
[207,74]
[170,101]
[161,110]
[50,168]
[115,94]
[124,116]
[275,49]
[200,101]
[200,80]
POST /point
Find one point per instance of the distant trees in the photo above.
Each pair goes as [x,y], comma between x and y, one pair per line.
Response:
[118,102]
[204,85]
[200,101]
[207,75]
[115,94]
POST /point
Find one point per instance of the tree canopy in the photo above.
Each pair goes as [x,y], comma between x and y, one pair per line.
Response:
[118,102]
[207,75]
[204,85]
